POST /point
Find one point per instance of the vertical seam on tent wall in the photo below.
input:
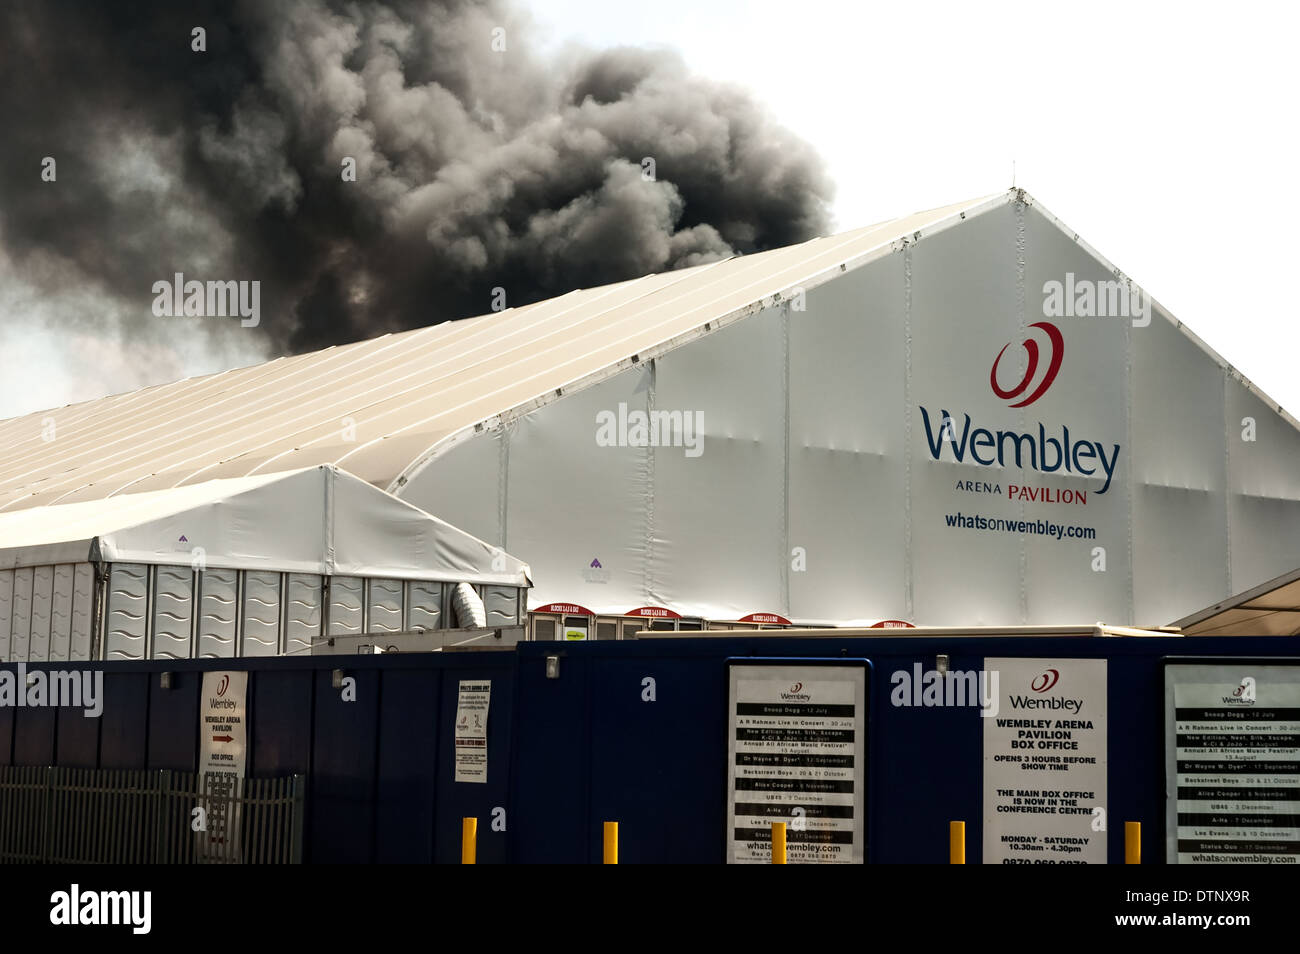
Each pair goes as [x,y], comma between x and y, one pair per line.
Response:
[329,520]
[241,596]
[97,601]
[1023,321]
[282,636]
[326,594]
[647,566]
[9,622]
[1227,483]
[196,585]
[403,604]
[31,606]
[908,574]
[150,604]
[1132,476]
[785,488]
[503,483]
[33,574]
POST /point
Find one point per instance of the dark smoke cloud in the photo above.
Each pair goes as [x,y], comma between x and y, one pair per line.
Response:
[475,168]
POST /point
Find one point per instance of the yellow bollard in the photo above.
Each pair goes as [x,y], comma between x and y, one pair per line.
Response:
[1132,843]
[468,841]
[957,843]
[611,843]
[778,843]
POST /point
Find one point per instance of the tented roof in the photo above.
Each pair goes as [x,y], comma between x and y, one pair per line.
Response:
[380,408]
[312,520]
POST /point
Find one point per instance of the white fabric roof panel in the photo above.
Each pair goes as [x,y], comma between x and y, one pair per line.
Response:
[318,520]
[403,394]
[1270,609]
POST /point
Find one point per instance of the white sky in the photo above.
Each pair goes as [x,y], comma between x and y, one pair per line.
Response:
[1164,134]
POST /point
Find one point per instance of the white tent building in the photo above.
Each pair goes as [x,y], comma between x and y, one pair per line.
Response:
[263,565]
[965,416]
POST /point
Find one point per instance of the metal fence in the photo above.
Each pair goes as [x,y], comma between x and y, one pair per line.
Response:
[136,816]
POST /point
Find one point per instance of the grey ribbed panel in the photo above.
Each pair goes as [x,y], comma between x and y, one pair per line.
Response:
[173,612]
[501,604]
[61,611]
[424,605]
[6,611]
[384,598]
[218,609]
[346,607]
[261,613]
[128,598]
[83,601]
[302,612]
[42,609]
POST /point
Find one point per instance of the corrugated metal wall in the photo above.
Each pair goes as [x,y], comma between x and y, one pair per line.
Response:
[177,612]
[45,612]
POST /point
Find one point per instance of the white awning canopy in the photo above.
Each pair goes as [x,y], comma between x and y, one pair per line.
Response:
[1270,609]
[314,520]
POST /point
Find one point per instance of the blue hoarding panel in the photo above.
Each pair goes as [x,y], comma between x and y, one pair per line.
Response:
[6,735]
[667,722]
[549,799]
[77,739]
[124,726]
[341,794]
[280,717]
[630,731]
[408,752]
[174,722]
[487,801]
[34,736]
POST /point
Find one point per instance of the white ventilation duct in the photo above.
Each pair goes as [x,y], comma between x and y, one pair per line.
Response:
[468,606]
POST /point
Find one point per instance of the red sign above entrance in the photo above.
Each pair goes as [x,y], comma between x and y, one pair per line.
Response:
[769,618]
[565,609]
[892,624]
[654,612]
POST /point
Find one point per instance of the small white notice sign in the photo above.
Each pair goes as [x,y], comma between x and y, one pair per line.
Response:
[1232,763]
[223,755]
[1045,763]
[471,730]
[796,753]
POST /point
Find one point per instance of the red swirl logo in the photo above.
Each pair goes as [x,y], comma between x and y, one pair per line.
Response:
[1055,352]
[1046,681]
[223,685]
[796,687]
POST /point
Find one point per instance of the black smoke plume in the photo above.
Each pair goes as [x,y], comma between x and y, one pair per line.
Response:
[481,161]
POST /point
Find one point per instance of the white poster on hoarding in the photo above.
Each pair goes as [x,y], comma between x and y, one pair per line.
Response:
[471,730]
[223,754]
[796,753]
[1045,763]
[1232,763]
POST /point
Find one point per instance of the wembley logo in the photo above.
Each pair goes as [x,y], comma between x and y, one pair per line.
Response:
[1041,683]
[1244,694]
[1046,681]
[1034,449]
[796,694]
[1055,353]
